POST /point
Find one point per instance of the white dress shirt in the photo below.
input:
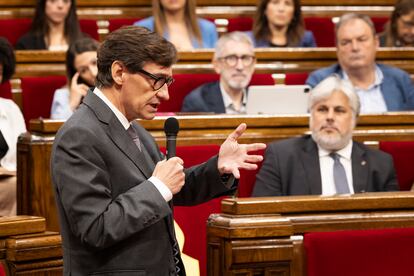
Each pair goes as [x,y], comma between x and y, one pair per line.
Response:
[11,125]
[326,166]
[228,102]
[161,187]
[372,100]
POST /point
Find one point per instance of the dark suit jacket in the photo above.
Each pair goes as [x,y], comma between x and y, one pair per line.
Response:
[113,220]
[205,98]
[291,167]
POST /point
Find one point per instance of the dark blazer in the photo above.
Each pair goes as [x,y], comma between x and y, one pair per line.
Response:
[114,221]
[30,41]
[396,87]
[291,167]
[205,98]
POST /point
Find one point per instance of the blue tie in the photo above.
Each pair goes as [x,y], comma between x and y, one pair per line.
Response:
[341,183]
[134,136]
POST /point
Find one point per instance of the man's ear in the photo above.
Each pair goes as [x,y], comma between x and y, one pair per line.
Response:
[117,71]
[217,66]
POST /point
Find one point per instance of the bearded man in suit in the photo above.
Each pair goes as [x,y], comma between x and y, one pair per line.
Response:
[113,188]
[328,161]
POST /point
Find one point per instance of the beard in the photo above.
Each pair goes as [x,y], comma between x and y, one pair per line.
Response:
[238,84]
[332,141]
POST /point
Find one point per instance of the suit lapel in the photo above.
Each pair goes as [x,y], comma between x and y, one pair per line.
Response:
[117,133]
[215,99]
[310,163]
[360,167]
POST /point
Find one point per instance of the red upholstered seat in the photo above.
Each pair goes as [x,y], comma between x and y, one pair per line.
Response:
[380,252]
[116,23]
[192,220]
[2,270]
[379,23]
[185,83]
[14,28]
[240,24]
[5,90]
[296,78]
[37,95]
[323,30]
[89,27]
[403,155]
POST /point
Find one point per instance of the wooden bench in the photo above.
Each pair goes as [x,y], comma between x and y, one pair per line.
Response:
[266,236]
[278,62]
[34,188]
[26,248]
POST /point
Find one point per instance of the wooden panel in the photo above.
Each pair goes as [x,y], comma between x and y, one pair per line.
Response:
[311,204]
[34,247]
[21,225]
[238,249]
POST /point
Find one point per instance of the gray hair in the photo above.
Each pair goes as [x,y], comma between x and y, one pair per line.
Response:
[233,36]
[332,84]
[352,16]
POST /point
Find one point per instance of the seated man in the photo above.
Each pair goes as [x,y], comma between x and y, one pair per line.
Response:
[327,162]
[380,87]
[234,60]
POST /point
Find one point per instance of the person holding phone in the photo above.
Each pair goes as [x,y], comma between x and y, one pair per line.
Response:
[81,71]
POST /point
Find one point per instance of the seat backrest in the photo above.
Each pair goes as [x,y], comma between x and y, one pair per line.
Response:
[379,23]
[90,27]
[403,154]
[296,78]
[192,220]
[323,30]
[37,95]
[5,90]
[377,252]
[116,23]
[14,28]
[240,24]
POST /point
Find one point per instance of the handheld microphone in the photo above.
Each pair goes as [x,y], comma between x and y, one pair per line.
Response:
[171,128]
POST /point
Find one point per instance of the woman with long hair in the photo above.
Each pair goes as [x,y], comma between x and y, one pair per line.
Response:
[81,70]
[55,25]
[399,31]
[279,23]
[176,20]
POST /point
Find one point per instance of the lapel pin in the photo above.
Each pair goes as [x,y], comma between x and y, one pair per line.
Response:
[363,162]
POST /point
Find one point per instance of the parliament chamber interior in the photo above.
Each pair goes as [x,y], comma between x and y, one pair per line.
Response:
[358,234]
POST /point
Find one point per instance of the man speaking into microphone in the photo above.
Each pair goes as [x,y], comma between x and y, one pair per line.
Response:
[113,187]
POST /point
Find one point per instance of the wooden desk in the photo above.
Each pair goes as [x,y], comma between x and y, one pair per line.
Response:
[34,188]
[26,249]
[261,236]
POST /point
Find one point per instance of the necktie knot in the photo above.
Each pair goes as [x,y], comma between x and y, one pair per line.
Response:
[334,156]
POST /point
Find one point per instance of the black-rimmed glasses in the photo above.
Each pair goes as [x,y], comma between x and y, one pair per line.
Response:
[232,60]
[159,81]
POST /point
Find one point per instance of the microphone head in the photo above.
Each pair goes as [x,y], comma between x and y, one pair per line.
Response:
[171,126]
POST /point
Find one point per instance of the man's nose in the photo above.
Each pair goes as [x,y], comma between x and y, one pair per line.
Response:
[163,94]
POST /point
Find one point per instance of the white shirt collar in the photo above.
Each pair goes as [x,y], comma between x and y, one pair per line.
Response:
[121,117]
[379,76]
[227,100]
[345,152]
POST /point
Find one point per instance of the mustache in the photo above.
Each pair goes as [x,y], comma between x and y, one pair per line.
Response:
[332,126]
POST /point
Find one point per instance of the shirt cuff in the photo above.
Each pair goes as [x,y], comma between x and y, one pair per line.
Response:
[162,188]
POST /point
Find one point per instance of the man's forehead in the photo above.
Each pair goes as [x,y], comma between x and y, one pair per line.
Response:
[232,47]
